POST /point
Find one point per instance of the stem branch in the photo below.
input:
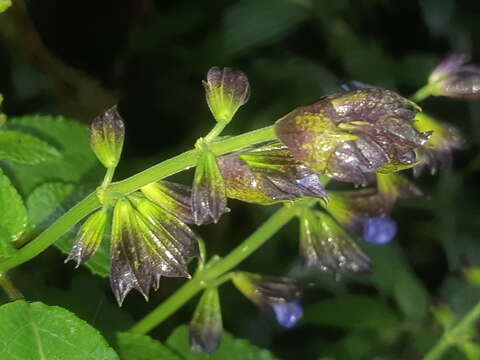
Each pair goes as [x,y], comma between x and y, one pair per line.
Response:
[135,182]
[451,336]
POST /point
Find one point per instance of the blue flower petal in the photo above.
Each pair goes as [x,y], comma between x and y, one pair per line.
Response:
[288,314]
[379,229]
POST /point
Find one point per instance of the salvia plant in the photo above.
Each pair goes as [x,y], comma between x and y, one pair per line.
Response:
[367,138]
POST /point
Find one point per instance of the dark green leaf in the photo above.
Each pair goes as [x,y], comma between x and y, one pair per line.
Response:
[142,347]
[25,149]
[36,331]
[251,23]
[352,311]
[231,348]
[13,215]
[50,200]
[71,139]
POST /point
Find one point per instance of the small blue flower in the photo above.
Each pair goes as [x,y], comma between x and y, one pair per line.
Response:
[379,229]
[287,313]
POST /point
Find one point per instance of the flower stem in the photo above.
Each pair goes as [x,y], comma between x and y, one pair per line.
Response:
[202,279]
[152,174]
[455,334]
[423,93]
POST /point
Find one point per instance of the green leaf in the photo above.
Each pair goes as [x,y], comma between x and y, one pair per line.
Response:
[393,275]
[13,215]
[251,23]
[50,200]
[25,149]
[46,203]
[35,331]
[71,139]
[142,347]
[231,348]
[4,5]
[352,311]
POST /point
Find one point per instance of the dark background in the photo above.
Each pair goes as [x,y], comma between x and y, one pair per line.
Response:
[76,58]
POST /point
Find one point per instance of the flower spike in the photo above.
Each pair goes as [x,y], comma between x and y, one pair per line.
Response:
[209,198]
[455,78]
[325,245]
[107,136]
[279,296]
[89,237]
[206,327]
[348,136]
[226,90]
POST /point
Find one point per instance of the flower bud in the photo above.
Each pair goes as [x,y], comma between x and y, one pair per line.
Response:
[454,78]
[107,133]
[379,229]
[349,136]
[206,328]
[172,197]
[288,313]
[326,246]
[226,90]
[273,294]
[268,174]
[444,138]
[209,199]
[89,237]
[141,251]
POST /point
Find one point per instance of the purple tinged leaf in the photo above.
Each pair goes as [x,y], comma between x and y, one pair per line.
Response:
[209,198]
[226,89]
[206,327]
[89,237]
[172,197]
[107,134]
[379,229]
[288,313]
[326,246]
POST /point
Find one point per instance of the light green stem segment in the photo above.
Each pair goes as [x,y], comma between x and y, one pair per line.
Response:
[12,292]
[135,182]
[455,334]
[209,274]
[424,92]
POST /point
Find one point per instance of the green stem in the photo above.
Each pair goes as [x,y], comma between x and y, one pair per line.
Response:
[454,334]
[155,173]
[203,279]
[108,177]
[6,284]
[217,130]
[423,93]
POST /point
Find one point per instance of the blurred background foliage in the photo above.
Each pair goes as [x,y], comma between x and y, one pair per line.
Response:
[76,58]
